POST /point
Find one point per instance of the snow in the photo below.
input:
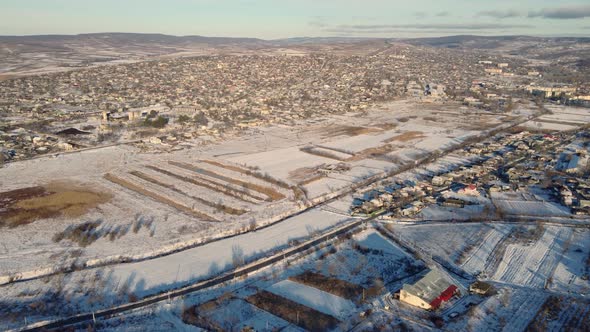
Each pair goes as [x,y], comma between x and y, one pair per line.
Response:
[371,239]
[200,262]
[567,275]
[476,262]
[313,298]
[533,265]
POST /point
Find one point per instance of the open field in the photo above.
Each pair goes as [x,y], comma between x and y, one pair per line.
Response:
[233,180]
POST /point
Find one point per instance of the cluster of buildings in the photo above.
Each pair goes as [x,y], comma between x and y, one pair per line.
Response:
[556,163]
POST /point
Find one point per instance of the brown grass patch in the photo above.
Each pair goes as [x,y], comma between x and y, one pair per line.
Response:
[293,312]
[24,206]
[475,126]
[330,285]
[387,126]
[373,153]
[272,194]
[405,137]
[158,197]
[218,206]
[4,77]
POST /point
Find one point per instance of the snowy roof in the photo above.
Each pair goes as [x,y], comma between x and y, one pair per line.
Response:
[430,287]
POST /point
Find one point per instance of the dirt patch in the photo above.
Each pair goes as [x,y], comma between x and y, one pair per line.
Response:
[405,137]
[24,206]
[158,197]
[338,130]
[6,77]
[293,312]
[306,175]
[330,285]
[386,126]
[374,153]
[476,126]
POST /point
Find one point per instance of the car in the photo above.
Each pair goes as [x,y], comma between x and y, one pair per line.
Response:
[453,314]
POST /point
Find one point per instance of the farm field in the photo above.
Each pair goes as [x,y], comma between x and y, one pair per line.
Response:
[215,187]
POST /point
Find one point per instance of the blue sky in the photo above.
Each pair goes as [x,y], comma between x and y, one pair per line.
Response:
[296,18]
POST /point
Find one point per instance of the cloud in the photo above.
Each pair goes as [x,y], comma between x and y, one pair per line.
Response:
[500,14]
[451,26]
[563,13]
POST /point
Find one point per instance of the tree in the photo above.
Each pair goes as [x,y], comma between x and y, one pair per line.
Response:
[200,119]
[237,256]
[183,119]
[159,122]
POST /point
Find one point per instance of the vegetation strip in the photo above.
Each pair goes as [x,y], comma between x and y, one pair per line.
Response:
[321,153]
[293,312]
[297,191]
[158,197]
[218,206]
[208,184]
[330,285]
[272,194]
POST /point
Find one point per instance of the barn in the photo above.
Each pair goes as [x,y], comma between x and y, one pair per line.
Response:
[429,292]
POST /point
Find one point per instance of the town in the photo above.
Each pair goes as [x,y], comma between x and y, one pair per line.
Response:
[347,185]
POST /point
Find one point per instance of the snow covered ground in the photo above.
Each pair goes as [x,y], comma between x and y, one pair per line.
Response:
[534,264]
[314,298]
[275,149]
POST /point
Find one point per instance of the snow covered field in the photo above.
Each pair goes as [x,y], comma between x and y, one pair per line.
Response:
[275,149]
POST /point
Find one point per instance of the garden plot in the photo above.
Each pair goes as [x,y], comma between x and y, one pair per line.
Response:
[574,267]
[552,126]
[314,298]
[476,259]
[510,310]
[451,242]
[293,312]
[278,163]
[337,287]
[562,313]
[233,314]
[533,264]
[360,143]
[201,195]
[372,239]
[525,204]
[366,267]
[271,194]
[158,197]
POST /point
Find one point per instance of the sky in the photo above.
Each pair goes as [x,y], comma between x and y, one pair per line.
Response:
[271,19]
